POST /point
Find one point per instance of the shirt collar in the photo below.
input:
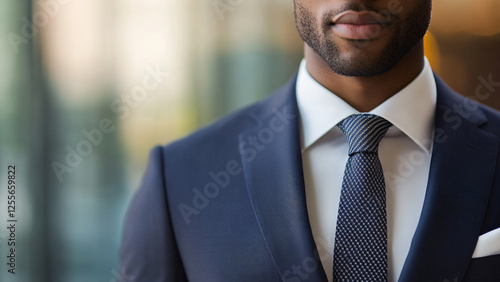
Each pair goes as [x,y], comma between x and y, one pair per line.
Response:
[411,110]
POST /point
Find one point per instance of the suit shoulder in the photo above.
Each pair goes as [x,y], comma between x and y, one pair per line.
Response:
[225,128]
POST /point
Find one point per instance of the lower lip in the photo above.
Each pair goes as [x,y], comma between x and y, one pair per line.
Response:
[358,31]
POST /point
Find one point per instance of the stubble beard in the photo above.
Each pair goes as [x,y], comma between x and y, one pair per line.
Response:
[405,37]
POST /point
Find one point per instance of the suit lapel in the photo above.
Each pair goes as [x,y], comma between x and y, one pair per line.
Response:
[460,180]
[272,163]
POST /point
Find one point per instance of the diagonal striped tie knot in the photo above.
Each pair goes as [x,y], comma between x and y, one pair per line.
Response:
[364,132]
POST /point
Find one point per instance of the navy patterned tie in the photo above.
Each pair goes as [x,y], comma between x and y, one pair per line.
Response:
[360,250]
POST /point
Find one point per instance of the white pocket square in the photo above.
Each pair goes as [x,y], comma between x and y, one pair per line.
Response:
[488,244]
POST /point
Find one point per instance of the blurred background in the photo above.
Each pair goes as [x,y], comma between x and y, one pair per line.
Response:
[88,87]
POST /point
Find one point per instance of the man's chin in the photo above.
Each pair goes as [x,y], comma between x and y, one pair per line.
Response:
[358,65]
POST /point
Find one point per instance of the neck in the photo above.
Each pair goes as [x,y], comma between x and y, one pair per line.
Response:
[366,93]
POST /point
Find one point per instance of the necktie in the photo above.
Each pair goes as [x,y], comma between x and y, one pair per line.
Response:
[360,250]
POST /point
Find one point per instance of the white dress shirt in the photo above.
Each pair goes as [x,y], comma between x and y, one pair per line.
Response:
[405,154]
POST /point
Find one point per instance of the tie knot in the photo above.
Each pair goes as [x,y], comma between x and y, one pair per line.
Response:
[364,132]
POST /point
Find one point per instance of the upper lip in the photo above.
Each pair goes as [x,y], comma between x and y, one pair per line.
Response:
[359,18]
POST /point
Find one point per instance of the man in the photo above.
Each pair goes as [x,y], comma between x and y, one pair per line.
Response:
[364,167]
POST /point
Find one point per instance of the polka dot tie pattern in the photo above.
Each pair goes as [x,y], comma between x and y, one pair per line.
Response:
[360,250]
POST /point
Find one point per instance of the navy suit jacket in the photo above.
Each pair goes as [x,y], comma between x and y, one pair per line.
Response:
[227,203]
